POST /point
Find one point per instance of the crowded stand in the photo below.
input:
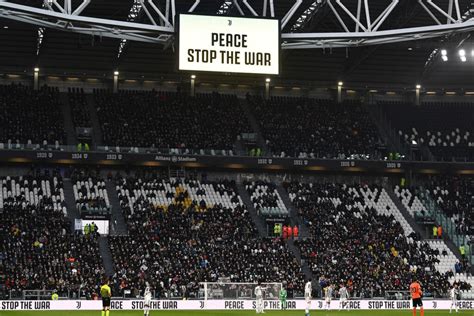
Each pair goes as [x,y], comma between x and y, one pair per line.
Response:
[311,128]
[358,238]
[266,199]
[79,112]
[445,128]
[176,241]
[38,249]
[30,118]
[454,195]
[207,123]
[231,157]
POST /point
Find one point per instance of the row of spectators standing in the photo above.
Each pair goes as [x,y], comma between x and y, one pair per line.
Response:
[285,231]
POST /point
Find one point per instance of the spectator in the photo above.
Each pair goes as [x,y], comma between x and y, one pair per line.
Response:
[458,267]
[462,251]
[295,232]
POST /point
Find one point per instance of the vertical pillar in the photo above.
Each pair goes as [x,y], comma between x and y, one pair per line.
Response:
[267,88]
[116,76]
[36,79]
[339,92]
[417,96]
[192,91]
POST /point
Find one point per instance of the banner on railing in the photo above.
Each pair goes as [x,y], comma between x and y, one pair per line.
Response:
[222,305]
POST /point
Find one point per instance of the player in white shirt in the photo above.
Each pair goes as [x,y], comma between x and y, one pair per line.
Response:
[259,298]
[453,293]
[308,288]
[147,301]
[328,296]
[343,296]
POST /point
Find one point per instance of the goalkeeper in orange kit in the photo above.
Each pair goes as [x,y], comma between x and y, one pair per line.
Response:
[416,295]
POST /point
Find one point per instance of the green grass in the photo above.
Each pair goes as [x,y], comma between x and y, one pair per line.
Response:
[230,313]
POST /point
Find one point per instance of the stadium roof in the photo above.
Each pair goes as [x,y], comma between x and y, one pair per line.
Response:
[404,63]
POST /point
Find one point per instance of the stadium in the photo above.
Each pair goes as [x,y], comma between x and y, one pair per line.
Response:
[236,157]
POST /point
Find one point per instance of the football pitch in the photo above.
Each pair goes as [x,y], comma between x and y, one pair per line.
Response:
[230,313]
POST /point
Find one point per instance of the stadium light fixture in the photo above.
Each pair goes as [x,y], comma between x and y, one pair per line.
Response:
[193,76]
[444,55]
[462,55]
[268,80]
[37,69]
[340,83]
[116,73]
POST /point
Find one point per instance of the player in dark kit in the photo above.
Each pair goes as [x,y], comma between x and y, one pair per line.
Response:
[416,295]
[106,294]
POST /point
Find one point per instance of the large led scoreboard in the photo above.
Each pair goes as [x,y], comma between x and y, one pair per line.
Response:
[229,44]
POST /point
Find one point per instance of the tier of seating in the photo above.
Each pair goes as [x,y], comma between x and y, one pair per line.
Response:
[182,242]
[169,120]
[213,123]
[266,199]
[446,129]
[310,128]
[30,117]
[358,238]
[38,249]
[183,231]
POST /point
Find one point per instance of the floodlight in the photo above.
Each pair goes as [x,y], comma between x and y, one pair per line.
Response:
[444,55]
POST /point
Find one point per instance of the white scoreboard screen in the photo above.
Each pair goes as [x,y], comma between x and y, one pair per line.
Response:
[229,44]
